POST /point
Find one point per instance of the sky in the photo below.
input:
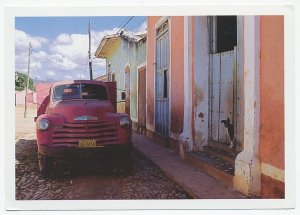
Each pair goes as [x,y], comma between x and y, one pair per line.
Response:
[60,44]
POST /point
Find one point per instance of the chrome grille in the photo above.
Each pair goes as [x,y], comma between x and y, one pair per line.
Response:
[71,133]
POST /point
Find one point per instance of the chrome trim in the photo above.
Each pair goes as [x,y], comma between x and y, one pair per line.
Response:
[85,118]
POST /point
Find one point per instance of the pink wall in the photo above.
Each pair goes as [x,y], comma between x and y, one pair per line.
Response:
[193,77]
[177,69]
[176,72]
[150,70]
[272,102]
[272,91]
[20,97]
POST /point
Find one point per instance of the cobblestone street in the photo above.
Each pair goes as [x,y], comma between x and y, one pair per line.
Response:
[157,173]
[89,180]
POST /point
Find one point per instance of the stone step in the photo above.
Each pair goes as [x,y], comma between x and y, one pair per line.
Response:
[222,146]
[212,165]
[221,154]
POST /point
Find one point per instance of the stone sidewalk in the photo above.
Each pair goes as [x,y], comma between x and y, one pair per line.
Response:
[196,183]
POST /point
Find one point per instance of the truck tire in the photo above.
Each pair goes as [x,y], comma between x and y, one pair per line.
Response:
[45,165]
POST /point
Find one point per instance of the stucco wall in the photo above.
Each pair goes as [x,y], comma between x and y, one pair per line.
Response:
[132,54]
[272,101]
[200,58]
[177,68]
[176,72]
[150,71]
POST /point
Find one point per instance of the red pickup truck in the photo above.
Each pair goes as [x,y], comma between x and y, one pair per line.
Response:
[78,119]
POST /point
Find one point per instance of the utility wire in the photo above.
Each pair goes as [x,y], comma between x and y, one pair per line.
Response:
[138,24]
[124,25]
[120,28]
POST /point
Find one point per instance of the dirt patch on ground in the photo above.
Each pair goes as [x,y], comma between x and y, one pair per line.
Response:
[25,126]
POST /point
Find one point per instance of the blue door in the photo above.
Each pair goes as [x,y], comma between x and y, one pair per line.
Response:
[162,80]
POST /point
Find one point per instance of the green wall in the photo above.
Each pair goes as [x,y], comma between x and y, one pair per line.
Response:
[132,54]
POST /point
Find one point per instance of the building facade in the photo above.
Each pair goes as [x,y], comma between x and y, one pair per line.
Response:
[125,55]
[209,87]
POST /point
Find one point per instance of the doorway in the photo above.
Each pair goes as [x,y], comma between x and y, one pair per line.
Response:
[222,78]
[162,80]
[142,100]
[127,90]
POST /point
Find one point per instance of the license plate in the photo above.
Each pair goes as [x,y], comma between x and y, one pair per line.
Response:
[87,143]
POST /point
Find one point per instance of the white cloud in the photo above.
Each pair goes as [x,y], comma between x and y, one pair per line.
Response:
[97,36]
[81,76]
[64,39]
[22,41]
[50,73]
[39,55]
[62,62]
[36,66]
[99,63]
[68,77]
[142,27]
[65,57]
[70,45]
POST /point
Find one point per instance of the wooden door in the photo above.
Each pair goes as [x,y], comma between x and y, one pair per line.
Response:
[142,100]
[223,77]
[127,90]
[222,70]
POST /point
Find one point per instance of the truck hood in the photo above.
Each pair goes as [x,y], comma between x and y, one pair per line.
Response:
[81,110]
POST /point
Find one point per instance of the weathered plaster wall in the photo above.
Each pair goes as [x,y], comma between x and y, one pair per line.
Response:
[176,73]
[247,163]
[177,87]
[272,103]
[150,71]
[186,137]
[200,90]
[132,54]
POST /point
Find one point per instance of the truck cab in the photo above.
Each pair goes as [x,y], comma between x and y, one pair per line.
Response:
[78,119]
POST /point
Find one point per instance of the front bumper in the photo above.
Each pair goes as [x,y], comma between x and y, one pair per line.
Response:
[76,152]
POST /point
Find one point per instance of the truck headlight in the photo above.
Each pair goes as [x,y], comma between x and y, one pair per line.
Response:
[43,124]
[125,122]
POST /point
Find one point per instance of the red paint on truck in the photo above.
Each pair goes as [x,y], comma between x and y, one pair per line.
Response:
[79,119]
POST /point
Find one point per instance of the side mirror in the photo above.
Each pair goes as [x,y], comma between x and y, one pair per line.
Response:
[123,95]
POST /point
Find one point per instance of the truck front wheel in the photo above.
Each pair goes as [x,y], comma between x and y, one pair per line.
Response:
[45,165]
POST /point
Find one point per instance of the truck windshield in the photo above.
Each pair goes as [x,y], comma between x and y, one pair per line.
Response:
[79,91]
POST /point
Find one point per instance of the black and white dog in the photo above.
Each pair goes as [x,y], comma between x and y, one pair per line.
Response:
[230,131]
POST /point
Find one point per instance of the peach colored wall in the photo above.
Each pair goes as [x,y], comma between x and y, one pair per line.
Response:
[193,76]
[272,189]
[177,68]
[177,90]
[150,70]
[272,91]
